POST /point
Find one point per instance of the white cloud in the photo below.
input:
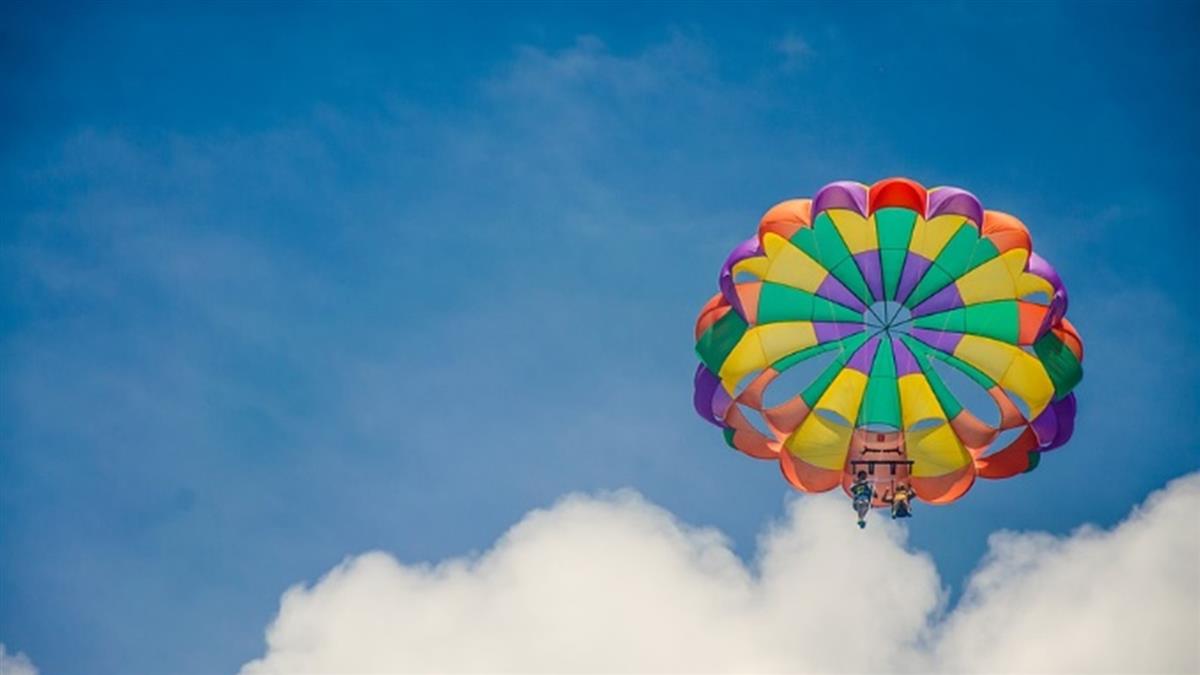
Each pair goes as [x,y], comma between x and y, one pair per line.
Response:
[15,664]
[615,584]
[1121,601]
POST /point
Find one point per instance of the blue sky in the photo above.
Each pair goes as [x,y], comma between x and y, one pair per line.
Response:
[284,286]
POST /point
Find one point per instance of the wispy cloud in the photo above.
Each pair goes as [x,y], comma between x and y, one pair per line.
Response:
[795,50]
[226,329]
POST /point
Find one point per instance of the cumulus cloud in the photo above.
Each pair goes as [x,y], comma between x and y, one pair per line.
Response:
[15,663]
[1121,601]
[616,584]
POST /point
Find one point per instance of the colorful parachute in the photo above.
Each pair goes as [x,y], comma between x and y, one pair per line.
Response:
[896,290]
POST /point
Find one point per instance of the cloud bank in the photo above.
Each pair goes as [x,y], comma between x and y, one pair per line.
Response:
[616,584]
[15,663]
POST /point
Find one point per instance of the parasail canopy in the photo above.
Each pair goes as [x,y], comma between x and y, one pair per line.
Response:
[907,299]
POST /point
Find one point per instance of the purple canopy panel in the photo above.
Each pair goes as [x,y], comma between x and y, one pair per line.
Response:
[1054,314]
[706,384]
[906,362]
[1064,410]
[947,298]
[747,249]
[915,267]
[1039,266]
[950,200]
[941,340]
[872,269]
[832,289]
[864,357]
[721,402]
[1045,427]
[828,331]
[843,194]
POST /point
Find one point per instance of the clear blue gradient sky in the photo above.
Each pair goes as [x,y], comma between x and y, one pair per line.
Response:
[281,285]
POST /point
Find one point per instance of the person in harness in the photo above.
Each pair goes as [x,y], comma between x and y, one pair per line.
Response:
[862,492]
[901,501]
